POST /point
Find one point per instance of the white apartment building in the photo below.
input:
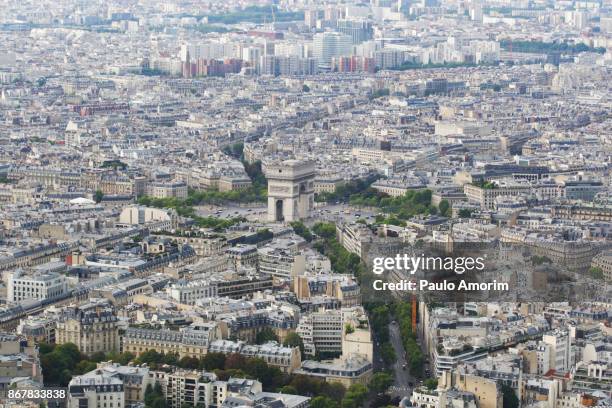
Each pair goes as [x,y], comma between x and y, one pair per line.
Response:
[96,389]
[280,263]
[354,237]
[329,45]
[135,215]
[561,350]
[176,189]
[188,292]
[39,286]
[321,332]
[343,331]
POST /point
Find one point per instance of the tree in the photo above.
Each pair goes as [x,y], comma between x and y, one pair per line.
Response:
[154,397]
[70,350]
[596,272]
[191,363]
[323,402]
[387,353]
[334,390]
[213,361]
[234,361]
[379,320]
[98,357]
[509,397]
[294,340]
[301,230]
[305,88]
[150,357]
[355,396]
[288,389]
[59,363]
[465,213]
[324,229]
[380,382]
[84,366]
[306,385]
[431,383]
[383,400]
[171,359]
[98,196]
[265,336]
[123,358]
[444,208]
[148,395]
[45,348]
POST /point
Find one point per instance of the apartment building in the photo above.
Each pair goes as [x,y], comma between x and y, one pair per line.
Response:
[339,286]
[18,358]
[96,389]
[486,197]
[593,377]
[186,387]
[354,237]
[321,332]
[488,392]
[93,327]
[582,213]
[163,219]
[347,370]
[229,284]
[135,380]
[603,261]
[287,359]
[560,350]
[203,244]
[39,286]
[191,341]
[425,398]
[242,256]
[37,329]
[280,263]
[174,189]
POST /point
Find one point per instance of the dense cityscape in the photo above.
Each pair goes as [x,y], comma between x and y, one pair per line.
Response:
[193,193]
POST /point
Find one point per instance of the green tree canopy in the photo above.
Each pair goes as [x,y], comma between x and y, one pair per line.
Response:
[380,382]
[266,335]
[294,340]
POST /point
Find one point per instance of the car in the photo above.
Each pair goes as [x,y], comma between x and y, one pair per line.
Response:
[404,367]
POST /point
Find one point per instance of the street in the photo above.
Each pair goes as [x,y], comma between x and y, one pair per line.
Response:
[258,212]
[401,386]
[255,212]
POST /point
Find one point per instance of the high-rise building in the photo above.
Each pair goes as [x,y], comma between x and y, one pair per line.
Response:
[290,65]
[329,45]
[358,30]
[561,350]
